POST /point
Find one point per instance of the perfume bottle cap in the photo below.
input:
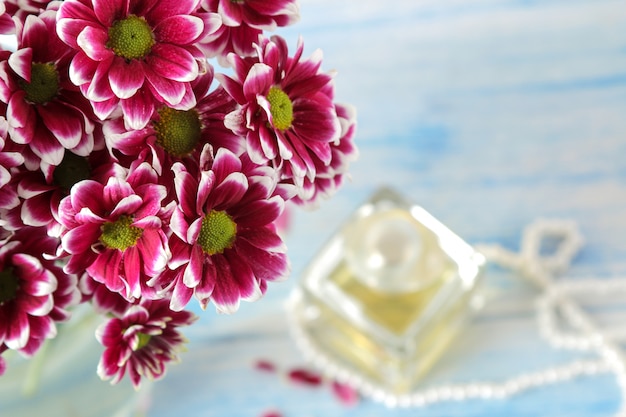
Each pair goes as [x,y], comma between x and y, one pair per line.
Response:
[390,251]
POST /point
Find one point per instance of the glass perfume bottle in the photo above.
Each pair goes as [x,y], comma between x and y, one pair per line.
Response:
[382,300]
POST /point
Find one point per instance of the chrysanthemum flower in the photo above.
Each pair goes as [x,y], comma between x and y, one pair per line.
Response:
[135,53]
[34,291]
[178,135]
[45,110]
[41,191]
[115,231]
[141,342]
[224,246]
[329,177]
[287,112]
[243,22]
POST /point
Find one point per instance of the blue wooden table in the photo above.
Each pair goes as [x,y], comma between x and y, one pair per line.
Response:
[488,113]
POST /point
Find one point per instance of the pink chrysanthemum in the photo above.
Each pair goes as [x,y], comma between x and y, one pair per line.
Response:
[224,246]
[34,291]
[287,112]
[329,177]
[45,110]
[135,53]
[115,231]
[178,135]
[243,22]
[141,342]
[41,191]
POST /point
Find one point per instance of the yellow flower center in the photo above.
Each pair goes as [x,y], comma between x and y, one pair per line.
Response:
[73,168]
[9,284]
[280,107]
[217,233]
[178,131]
[131,38]
[142,341]
[43,85]
[120,234]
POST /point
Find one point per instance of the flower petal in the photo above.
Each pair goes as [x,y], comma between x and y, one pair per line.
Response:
[65,123]
[99,88]
[82,69]
[92,41]
[180,296]
[193,271]
[126,206]
[170,91]
[258,81]
[126,77]
[229,191]
[261,212]
[108,11]
[226,293]
[173,63]
[18,331]
[85,194]
[21,61]
[80,239]
[138,109]
[268,266]
[179,29]
[153,251]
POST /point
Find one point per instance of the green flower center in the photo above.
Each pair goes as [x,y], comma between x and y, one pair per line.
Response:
[178,131]
[217,233]
[73,168]
[144,339]
[281,108]
[9,284]
[130,38]
[43,85]
[120,234]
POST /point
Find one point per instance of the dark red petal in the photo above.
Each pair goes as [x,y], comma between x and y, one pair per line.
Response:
[305,377]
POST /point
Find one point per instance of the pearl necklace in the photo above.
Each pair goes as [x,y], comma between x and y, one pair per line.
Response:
[540,270]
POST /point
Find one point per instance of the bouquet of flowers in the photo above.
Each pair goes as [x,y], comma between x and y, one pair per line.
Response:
[136,178]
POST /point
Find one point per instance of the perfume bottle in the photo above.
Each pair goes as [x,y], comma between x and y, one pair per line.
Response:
[382,300]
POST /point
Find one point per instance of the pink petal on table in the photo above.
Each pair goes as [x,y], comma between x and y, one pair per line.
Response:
[271,413]
[345,393]
[305,377]
[265,365]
